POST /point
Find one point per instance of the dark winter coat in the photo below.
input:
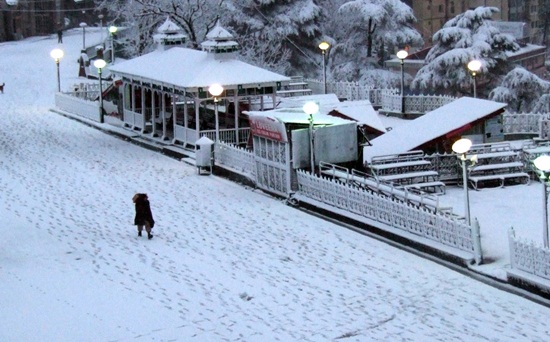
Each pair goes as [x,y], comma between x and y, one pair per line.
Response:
[143,211]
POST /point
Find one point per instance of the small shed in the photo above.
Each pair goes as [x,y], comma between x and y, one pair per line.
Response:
[438,129]
[334,138]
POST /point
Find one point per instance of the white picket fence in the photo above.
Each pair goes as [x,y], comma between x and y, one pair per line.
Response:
[417,221]
[353,201]
[351,91]
[83,107]
[413,104]
[526,123]
[237,159]
[388,99]
[529,261]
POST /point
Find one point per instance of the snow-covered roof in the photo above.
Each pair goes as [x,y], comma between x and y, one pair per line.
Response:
[432,125]
[219,40]
[169,27]
[325,101]
[169,31]
[214,43]
[527,48]
[188,68]
[219,33]
[297,115]
[362,112]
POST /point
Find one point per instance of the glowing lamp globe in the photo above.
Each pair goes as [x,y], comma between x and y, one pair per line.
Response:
[215,89]
[402,54]
[462,146]
[100,63]
[542,163]
[57,54]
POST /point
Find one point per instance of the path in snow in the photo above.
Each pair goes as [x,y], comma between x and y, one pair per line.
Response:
[227,263]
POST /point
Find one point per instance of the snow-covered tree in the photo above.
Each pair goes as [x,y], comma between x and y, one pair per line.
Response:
[370,28]
[282,35]
[466,37]
[142,17]
[523,91]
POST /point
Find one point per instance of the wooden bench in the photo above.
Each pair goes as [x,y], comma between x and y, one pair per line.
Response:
[499,166]
[404,164]
[436,186]
[410,177]
[474,180]
[502,155]
[408,169]
[496,162]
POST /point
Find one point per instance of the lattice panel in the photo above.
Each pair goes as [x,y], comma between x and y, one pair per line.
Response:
[529,257]
[395,213]
[236,158]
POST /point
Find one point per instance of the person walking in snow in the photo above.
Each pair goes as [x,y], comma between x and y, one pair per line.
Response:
[60,36]
[144,216]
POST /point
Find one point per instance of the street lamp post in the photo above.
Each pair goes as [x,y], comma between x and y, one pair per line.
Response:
[460,147]
[100,64]
[216,90]
[311,108]
[402,54]
[324,46]
[101,26]
[83,25]
[474,67]
[542,163]
[112,31]
[57,54]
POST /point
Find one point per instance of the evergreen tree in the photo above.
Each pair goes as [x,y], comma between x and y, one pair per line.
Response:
[462,39]
[368,28]
[523,91]
[280,35]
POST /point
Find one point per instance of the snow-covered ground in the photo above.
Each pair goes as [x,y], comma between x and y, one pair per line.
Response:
[227,263]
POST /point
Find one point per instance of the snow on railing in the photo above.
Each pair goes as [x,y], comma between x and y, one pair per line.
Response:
[88,91]
[446,165]
[238,159]
[528,257]
[79,106]
[413,104]
[435,226]
[388,99]
[351,91]
[228,135]
[524,123]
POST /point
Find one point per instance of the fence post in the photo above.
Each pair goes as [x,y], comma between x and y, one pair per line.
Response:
[512,246]
[476,240]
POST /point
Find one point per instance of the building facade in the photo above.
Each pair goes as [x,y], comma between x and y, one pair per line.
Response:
[26,18]
[433,14]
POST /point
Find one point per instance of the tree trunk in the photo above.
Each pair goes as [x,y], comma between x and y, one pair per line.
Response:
[370,32]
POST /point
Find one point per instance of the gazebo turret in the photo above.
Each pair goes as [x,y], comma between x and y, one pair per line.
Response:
[220,43]
[169,34]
